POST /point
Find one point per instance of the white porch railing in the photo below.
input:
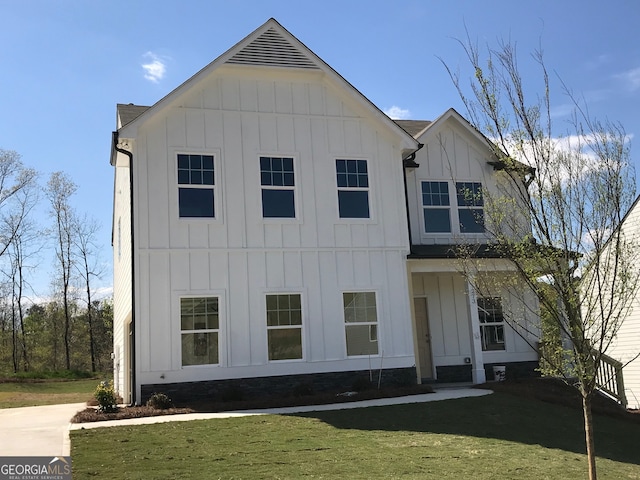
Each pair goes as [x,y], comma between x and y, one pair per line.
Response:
[609,379]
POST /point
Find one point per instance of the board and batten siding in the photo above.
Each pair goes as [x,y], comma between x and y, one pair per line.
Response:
[450,154]
[449,322]
[239,115]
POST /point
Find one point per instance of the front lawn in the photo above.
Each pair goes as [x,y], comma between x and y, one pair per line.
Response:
[495,436]
[29,392]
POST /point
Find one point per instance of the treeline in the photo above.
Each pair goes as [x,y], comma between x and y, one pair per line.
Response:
[38,343]
[71,328]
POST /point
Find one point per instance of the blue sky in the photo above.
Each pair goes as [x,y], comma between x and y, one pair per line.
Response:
[66,63]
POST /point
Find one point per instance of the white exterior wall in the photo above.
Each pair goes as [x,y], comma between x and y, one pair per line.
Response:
[240,114]
[625,346]
[121,271]
[449,322]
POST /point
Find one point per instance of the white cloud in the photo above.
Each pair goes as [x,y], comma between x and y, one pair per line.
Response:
[398,113]
[155,69]
[631,78]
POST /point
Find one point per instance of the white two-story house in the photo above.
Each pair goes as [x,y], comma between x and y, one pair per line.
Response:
[262,239]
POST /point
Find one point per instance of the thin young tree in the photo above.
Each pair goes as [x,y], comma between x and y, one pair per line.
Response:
[16,188]
[555,215]
[60,189]
[87,265]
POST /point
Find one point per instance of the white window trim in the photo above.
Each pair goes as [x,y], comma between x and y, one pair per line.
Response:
[303,322]
[222,328]
[218,187]
[344,321]
[297,204]
[502,324]
[370,179]
[453,210]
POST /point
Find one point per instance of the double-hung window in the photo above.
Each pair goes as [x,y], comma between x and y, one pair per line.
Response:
[491,323]
[199,325]
[470,207]
[353,188]
[361,323]
[278,187]
[196,183]
[436,207]
[284,326]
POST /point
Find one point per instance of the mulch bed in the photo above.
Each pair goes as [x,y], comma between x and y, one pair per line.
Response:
[210,406]
[544,389]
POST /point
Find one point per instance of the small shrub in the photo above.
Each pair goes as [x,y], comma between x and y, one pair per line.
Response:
[232,394]
[106,397]
[303,390]
[159,401]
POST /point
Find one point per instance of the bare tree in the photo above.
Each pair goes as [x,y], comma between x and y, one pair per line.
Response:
[556,214]
[59,190]
[16,195]
[88,268]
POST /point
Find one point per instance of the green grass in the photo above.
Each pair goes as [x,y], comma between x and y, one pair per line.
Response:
[49,392]
[496,436]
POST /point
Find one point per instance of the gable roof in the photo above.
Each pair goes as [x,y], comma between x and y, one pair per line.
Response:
[414,127]
[270,45]
[127,113]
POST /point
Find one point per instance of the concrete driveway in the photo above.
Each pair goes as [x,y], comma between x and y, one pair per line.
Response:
[36,431]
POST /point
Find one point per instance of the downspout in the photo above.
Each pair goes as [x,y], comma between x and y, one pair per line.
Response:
[407,163]
[115,140]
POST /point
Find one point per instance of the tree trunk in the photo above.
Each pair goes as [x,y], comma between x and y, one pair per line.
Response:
[588,434]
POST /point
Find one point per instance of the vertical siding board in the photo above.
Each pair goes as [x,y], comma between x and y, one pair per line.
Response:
[141,195]
[195,129]
[316,304]
[324,174]
[283,97]
[239,313]
[300,98]
[344,266]
[275,270]
[234,179]
[268,134]
[157,202]
[248,95]
[199,271]
[211,94]
[333,316]
[285,134]
[230,94]
[266,97]
[159,313]
[292,269]
[255,298]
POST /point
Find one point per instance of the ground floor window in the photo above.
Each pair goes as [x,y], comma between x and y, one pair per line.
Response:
[284,326]
[361,323]
[491,323]
[199,324]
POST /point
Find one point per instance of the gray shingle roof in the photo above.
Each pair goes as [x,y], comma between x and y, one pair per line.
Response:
[413,127]
[129,112]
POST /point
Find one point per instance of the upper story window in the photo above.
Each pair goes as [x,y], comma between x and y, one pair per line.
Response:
[470,207]
[278,187]
[491,323]
[196,200]
[436,207]
[353,188]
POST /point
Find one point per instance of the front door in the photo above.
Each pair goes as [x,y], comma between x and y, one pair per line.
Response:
[424,337]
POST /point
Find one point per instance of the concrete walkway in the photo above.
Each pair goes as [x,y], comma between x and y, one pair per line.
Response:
[36,431]
[44,431]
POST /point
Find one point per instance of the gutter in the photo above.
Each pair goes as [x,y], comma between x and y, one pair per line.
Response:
[133,386]
[407,163]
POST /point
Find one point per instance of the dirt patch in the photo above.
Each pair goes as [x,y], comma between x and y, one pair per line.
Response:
[558,392]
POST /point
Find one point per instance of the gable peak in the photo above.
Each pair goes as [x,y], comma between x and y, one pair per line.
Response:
[273,48]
